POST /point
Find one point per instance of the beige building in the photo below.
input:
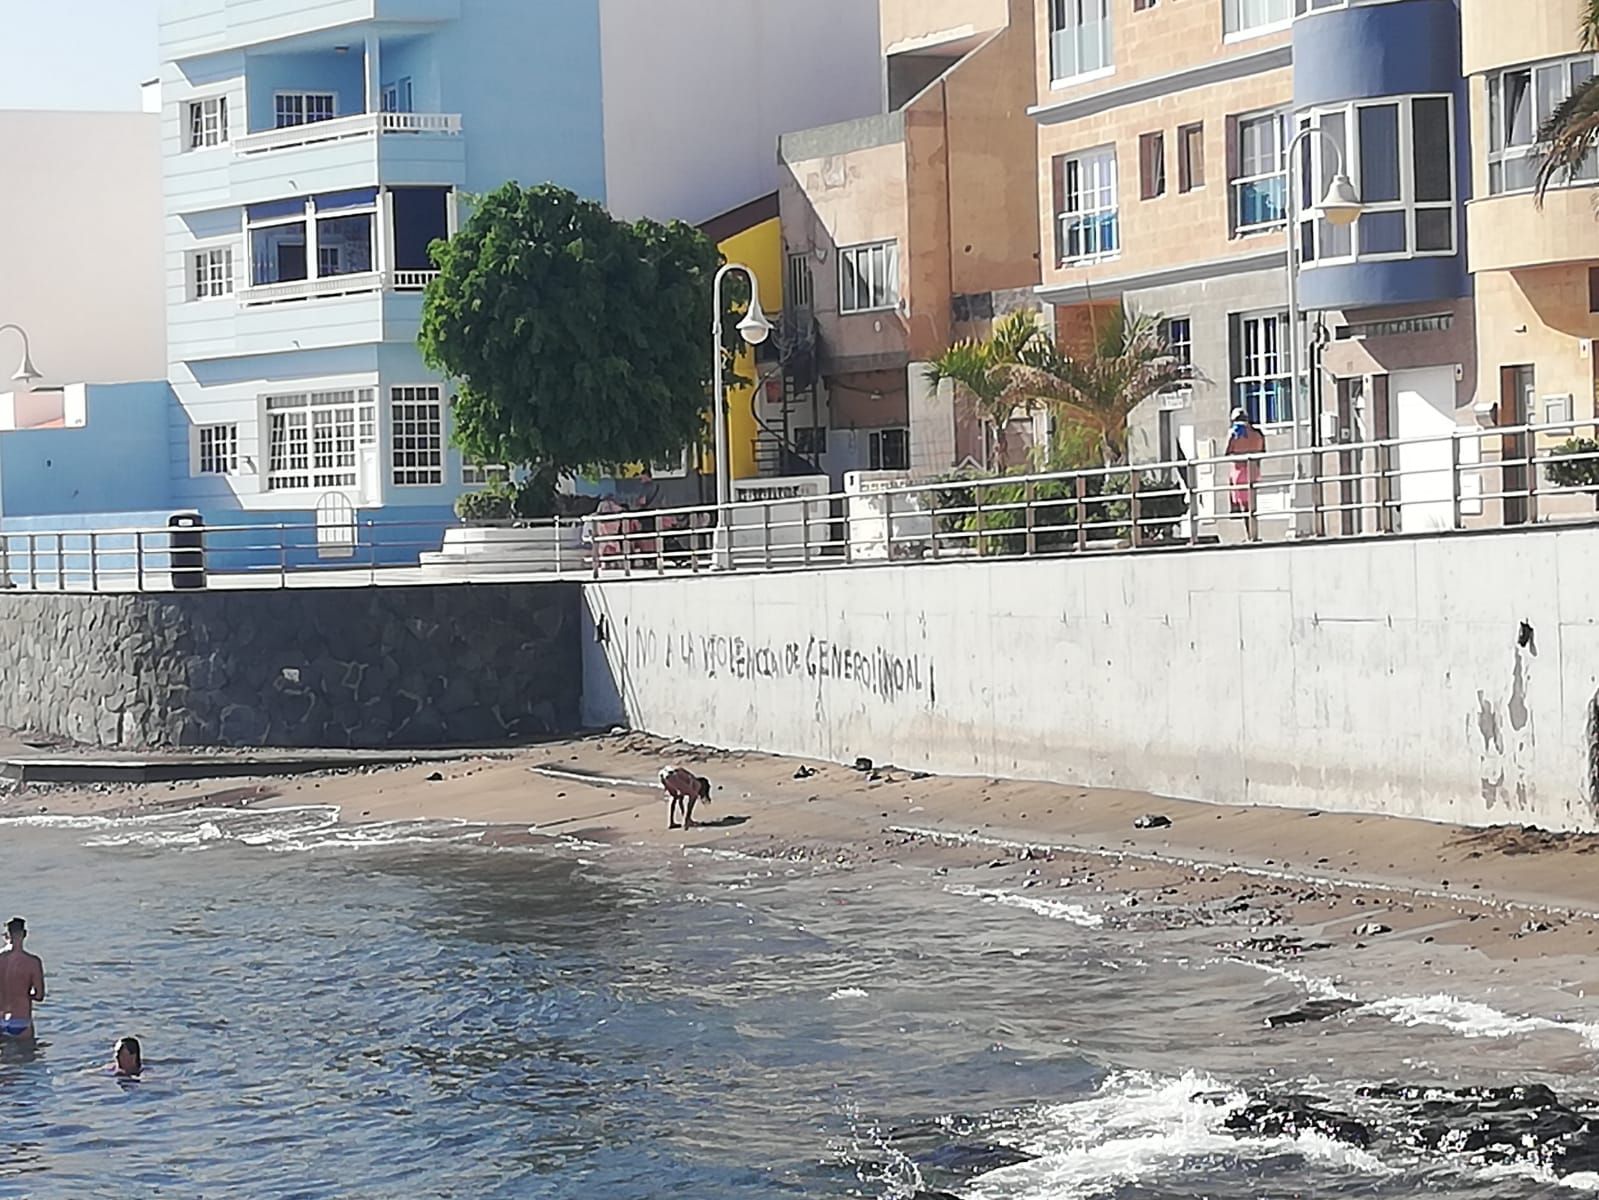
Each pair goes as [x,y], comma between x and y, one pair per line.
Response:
[909,229]
[1536,269]
[1161,141]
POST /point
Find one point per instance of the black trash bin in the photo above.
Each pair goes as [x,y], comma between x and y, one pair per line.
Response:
[186,540]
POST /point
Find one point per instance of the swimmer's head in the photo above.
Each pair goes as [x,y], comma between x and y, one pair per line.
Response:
[129,1057]
[16,930]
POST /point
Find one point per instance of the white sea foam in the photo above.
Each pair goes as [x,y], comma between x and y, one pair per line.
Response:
[1472,1019]
[848,993]
[283,830]
[1056,910]
[1139,1126]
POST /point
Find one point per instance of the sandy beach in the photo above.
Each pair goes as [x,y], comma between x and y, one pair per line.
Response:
[1365,899]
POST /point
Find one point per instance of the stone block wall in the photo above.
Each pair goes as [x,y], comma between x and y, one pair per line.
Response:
[372,667]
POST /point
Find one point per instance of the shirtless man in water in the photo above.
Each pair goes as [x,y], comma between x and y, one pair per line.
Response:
[21,983]
[685,788]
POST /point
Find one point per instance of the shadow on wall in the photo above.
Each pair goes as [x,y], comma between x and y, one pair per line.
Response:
[604,660]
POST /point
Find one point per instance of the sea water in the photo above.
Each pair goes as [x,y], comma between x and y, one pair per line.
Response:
[405,1010]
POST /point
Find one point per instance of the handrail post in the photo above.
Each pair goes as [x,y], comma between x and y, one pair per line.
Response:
[94,561]
[1532,476]
[33,563]
[805,530]
[1190,484]
[977,517]
[888,525]
[1252,491]
[1081,490]
[1455,489]
[138,559]
[766,534]
[1029,494]
[1134,508]
[61,563]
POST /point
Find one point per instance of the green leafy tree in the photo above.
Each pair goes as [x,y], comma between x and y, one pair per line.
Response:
[982,369]
[576,341]
[1571,133]
[1129,361]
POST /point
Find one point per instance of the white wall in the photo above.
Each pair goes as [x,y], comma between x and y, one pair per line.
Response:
[1379,677]
[697,92]
[80,245]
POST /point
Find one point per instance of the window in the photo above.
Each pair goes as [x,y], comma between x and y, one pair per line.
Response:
[1260,191]
[1520,102]
[1079,38]
[217,450]
[281,234]
[312,438]
[1143,5]
[398,97]
[1260,367]
[868,277]
[1177,332]
[1151,165]
[890,450]
[800,294]
[211,273]
[1244,18]
[1179,337]
[1087,225]
[1190,157]
[417,416]
[208,122]
[482,474]
[1593,289]
[810,440]
[303,108]
[1399,153]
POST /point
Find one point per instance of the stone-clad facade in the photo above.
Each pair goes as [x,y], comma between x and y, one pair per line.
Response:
[356,667]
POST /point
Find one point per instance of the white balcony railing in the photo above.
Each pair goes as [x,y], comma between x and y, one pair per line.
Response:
[412,281]
[362,125]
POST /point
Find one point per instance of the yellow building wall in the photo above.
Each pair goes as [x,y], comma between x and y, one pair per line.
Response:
[761,249]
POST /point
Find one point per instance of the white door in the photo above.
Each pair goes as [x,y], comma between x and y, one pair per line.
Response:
[1424,407]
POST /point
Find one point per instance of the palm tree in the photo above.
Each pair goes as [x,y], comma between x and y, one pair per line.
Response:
[1130,360]
[1571,133]
[983,369]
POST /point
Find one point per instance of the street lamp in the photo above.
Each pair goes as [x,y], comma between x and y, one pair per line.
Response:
[1341,206]
[27,374]
[754,329]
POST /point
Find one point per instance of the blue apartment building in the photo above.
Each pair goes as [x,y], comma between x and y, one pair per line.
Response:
[312,151]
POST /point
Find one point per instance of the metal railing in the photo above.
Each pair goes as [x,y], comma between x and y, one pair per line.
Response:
[326,286]
[1468,479]
[361,125]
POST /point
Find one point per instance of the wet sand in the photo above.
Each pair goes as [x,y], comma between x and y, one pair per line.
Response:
[1506,912]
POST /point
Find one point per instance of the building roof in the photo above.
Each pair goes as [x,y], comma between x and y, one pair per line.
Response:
[736,220]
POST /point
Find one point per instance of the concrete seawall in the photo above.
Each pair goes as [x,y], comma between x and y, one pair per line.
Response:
[357,667]
[1452,678]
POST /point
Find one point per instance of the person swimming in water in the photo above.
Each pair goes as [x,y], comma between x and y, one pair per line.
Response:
[21,983]
[127,1058]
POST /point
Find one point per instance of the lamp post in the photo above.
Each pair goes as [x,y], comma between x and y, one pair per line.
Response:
[755,329]
[1341,206]
[27,374]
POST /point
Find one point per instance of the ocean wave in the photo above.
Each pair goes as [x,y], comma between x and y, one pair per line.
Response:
[1056,910]
[289,829]
[1138,1126]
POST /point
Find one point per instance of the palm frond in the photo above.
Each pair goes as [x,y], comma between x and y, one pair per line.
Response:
[1590,25]
[1569,136]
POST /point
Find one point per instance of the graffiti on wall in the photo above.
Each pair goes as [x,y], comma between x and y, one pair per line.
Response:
[873,671]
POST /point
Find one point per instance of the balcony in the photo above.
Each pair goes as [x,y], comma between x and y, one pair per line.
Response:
[332,286]
[195,27]
[1510,232]
[399,148]
[360,126]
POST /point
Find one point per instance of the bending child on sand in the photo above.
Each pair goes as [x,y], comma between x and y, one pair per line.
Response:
[685,788]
